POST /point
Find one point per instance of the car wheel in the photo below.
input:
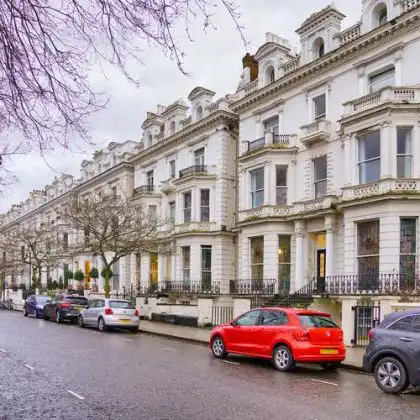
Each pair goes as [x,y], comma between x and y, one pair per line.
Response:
[80,321]
[58,317]
[283,359]
[101,325]
[24,312]
[218,347]
[331,365]
[391,375]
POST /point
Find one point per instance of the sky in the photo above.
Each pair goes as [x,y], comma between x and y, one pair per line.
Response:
[213,60]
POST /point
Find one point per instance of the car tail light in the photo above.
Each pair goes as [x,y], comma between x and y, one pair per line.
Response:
[65,305]
[302,335]
[371,334]
[108,311]
[136,313]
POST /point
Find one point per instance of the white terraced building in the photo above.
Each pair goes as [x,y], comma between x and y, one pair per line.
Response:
[306,181]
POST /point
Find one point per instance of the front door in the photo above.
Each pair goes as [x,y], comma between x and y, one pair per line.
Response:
[153,270]
[321,258]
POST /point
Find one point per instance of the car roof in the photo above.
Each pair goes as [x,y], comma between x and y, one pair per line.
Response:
[296,311]
[400,314]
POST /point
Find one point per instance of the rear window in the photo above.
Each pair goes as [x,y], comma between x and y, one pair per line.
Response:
[76,300]
[317,321]
[118,304]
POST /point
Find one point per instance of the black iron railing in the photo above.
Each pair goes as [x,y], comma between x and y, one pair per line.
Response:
[376,284]
[190,287]
[191,170]
[256,144]
[127,293]
[253,287]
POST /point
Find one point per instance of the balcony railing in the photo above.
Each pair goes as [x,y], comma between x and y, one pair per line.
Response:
[145,189]
[270,139]
[384,186]
[281,138]
[319,130]
[373,284]
[349,34]
[407,5]
[256,144]
[388,94]
[192,170]
[190,287]
[253,287]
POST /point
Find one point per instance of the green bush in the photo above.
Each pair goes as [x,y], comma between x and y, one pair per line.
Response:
[60,283]
[79,275]
[55,285]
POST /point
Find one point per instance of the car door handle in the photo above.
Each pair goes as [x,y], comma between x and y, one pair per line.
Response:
[406,339]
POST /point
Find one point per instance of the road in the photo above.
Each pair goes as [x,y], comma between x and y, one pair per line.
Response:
[51,371]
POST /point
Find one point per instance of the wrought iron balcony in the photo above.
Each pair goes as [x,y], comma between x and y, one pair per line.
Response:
[270,139]
[256,144]
[193,170]
[253,287]
[373,284]
[199,287]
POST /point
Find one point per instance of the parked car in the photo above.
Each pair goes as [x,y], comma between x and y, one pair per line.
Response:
[284,335]
[110,313]
[65,307]
[34,305]
[393,353]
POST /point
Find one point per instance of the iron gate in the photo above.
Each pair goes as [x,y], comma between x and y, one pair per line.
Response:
[367,315]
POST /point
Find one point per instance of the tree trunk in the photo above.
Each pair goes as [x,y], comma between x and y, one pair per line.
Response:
[107,287]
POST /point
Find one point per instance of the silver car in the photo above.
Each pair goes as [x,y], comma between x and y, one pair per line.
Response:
[110,313]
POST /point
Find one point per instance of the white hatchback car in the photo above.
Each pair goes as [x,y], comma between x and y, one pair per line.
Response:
[110,313]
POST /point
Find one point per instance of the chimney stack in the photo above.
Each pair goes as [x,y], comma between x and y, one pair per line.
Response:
[250,62]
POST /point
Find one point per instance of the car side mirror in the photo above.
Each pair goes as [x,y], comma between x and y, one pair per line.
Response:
[233,323]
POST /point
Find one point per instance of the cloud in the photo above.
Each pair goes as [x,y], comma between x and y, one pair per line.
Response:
[212,60]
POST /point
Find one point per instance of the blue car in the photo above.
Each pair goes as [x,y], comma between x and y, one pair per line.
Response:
[34,305]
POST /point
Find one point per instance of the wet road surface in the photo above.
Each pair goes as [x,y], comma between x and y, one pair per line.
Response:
[51,371]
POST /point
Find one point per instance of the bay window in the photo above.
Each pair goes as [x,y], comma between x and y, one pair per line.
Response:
[370,157]
[257,187]
[404,152]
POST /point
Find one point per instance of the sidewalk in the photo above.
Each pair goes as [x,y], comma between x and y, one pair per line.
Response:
[202,336]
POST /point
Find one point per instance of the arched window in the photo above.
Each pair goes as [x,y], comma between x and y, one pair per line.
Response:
[172,128]
[379,15]
[199,113]
[318,48]
[149,140]
[383,16]
[270,75]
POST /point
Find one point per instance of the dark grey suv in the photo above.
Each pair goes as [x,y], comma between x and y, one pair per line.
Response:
[393,353]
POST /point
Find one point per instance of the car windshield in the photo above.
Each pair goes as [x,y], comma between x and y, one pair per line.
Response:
[118,304]
[41,299]
[316,321]
[76,300]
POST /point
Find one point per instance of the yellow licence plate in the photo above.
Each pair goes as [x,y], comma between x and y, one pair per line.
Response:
[328,351]
[125,320]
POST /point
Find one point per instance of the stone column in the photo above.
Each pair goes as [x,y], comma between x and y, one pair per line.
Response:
[386,154]
[330,227]
[299,258]
[416,150]
[267,182]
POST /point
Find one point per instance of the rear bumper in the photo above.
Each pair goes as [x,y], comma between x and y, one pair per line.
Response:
[309,353]
[132,323]
[69,315]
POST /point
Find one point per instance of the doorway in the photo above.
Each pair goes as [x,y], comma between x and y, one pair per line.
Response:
[321,257]
[153,269]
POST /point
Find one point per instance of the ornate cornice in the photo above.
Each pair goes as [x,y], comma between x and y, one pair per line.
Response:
[364,44]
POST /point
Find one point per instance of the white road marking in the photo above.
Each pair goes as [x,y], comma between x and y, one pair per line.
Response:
[324,382]
[29,367]
[3,351]
[75,395]
[230,363]
[169,349]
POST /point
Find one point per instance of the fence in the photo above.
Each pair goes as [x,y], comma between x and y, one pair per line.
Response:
[221,315]
[367,315]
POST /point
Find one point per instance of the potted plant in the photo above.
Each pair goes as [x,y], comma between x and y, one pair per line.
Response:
[54,285]
[106,274]
[60,283]
[79,276]
[68,275]
[94,274]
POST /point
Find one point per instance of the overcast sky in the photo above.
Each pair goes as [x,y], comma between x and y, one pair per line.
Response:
[213,61]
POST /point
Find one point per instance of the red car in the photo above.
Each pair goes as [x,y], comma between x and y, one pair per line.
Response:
[284,335]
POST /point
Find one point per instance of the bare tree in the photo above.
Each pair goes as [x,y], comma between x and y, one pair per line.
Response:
[112,227]
[48,49]
[36,247]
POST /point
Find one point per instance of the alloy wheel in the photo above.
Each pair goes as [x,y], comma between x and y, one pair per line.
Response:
[101,325]
[80,321]
[282,358]
[218,347]
[389,375]
[57,317]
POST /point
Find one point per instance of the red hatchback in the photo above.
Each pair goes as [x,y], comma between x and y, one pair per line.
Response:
[284,335]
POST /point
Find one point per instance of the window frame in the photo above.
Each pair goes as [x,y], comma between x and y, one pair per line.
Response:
[362,163]
[407,156]
[321,181]
[254,193]
[405,279]
[368,279]
[206,271]
[281,264]
[187,211]
[315,106]
[247,314]
[374,79]
[200,157]
[257,266]
[204,209]
[172,169]
[150,179]
[278,313]
[282,188]
[172,213]
[186,265]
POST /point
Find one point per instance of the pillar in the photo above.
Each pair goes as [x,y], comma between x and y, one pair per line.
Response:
[347,319]
[299,260]
[267,182]
[330,234]
[416,150]
[386,149]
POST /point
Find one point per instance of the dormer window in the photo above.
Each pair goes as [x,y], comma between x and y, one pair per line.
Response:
[199,113]
[318,48]
[381,15]
[172,128]
[321,51]
[149,140]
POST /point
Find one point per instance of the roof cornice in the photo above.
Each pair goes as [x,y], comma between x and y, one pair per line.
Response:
[367,42]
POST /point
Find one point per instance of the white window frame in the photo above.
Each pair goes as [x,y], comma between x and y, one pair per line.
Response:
[320,181]
[186,266]
[186,209]
[314,104]
[172,169]
[365,161]
[379,82]
[172,213]
[150,179]
[202,207]
[200,156]
[281,187]
[407,156]
[254,192]
[359,256]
